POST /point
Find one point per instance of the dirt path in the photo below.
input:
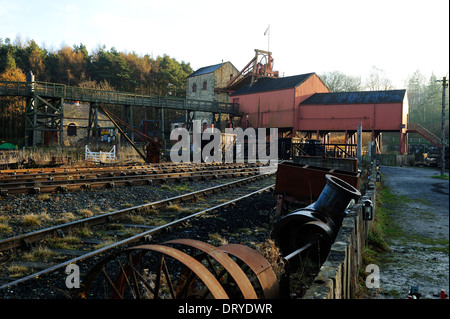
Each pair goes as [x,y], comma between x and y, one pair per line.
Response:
[419,243]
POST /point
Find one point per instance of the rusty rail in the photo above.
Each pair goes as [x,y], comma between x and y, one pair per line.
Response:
[28,238]
[18,241]
[51,185]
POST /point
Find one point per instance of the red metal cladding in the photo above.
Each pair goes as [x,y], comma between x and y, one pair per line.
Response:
[277,107]
[341,117]
[304,183]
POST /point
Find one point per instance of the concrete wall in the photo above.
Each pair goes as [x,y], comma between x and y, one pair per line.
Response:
[338,276]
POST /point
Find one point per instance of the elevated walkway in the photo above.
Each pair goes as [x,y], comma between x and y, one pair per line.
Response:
[71,93]
[45,106]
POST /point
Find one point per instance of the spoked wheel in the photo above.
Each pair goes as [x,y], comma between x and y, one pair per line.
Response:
[177,269]
[150,272]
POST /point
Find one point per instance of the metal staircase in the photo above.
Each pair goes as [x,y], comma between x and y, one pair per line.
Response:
[419,129]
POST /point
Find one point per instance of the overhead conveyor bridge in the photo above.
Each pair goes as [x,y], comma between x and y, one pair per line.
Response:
[45,111]
[55,90]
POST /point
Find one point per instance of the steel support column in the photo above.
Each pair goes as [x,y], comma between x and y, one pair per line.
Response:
[128,116]
[93,129]
[43,114]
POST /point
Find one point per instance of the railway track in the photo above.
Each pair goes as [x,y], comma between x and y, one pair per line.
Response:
[54,180]
[81,240]
[11,173]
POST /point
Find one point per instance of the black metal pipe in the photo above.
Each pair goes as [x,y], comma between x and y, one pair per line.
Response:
[315,227]
[335,197]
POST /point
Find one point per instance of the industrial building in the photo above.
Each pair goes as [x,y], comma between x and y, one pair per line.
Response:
[302,104]
[203,85]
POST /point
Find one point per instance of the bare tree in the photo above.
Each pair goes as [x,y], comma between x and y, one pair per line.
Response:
[378,81]
[337,81]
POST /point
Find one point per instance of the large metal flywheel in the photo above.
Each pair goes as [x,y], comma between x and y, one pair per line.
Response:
[182,269]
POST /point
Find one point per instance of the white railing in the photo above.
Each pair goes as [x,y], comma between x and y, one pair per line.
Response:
[100,157]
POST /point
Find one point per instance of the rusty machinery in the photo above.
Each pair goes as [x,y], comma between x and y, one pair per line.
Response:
[187,268]
[152,147]
[152,150]
[260,66]
[315,227]
[300,184]
[183,269]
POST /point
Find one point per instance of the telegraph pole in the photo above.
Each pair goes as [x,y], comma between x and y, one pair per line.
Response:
[444,86]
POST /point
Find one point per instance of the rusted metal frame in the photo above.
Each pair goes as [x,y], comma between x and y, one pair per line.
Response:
[127,280]
[158,277]
[143,280]
[243,72]
[169,280]
[134,272]
[225,261]
[189,277]
[259,265]
[111,283]
[122,132]
[129,270]
[202,273]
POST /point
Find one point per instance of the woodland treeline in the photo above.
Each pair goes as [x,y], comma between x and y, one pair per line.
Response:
[75,66]
[101,68]
[163,76]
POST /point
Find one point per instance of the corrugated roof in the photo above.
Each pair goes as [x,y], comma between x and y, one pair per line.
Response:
[362,97]
[271,84]
[206,69]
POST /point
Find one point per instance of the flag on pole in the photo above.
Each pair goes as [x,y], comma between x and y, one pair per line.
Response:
[265,32]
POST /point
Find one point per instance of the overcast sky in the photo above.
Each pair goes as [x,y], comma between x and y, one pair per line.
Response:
[351,36]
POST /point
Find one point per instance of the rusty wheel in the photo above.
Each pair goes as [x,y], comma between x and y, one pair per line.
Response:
[182,269]
[150,272]
[226,271]
[257,269]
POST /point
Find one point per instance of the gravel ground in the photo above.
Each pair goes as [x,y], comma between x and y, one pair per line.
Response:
[56,208]
[248,222]
[420,256]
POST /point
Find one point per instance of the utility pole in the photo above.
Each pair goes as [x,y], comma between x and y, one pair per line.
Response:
[444,86]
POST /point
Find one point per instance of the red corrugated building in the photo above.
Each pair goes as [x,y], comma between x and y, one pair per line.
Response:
[303,103]
[375,111]
[273,102]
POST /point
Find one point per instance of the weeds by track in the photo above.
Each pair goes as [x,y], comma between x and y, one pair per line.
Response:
[33,254]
